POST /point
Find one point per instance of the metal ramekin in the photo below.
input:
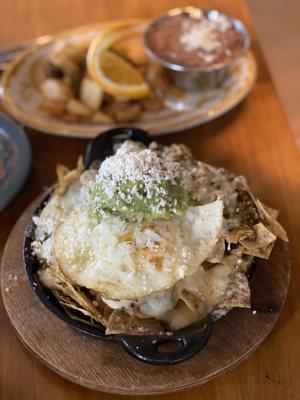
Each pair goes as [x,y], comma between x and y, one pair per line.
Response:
[195,78]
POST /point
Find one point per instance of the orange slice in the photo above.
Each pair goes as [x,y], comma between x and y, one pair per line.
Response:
[113,73]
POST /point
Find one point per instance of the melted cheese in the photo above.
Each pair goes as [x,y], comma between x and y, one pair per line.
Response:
[164,306]
[155,257]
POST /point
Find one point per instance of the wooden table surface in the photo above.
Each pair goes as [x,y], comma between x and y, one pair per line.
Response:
[254,139]
[277,24]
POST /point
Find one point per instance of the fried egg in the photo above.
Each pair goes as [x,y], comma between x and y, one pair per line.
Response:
[128,260]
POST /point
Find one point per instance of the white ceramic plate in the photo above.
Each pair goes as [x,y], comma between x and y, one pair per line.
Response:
[20,96]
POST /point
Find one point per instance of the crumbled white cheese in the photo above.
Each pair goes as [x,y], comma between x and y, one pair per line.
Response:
[182,271]
[144,169]
[204,34]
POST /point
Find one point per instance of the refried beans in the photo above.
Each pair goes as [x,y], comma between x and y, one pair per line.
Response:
[195,42]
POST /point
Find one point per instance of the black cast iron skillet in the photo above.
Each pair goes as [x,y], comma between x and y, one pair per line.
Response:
[159,349]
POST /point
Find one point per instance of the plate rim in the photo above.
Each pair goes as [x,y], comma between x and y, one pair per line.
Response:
[58,128]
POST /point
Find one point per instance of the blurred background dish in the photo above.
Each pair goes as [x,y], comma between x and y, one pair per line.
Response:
[196,47]
[201,41]
[15,160]
[98,77]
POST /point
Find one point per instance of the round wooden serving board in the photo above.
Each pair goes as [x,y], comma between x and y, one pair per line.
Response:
[104,366]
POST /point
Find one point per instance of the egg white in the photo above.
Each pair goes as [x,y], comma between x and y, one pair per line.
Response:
[128,260]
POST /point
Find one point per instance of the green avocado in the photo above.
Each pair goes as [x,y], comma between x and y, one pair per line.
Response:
[131,200]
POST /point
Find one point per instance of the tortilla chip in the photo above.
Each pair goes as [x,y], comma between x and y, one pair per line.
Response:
[263,237]
[75,314]
[237,293]
[68,303]
[271,223]
[195,303]
[67,177]
[268,216]
[238,234]
[261,252]
[238,251]
[244,186]
[72,297]
[271,211]
[106,313]
[237,259]
[121,322]
[231,260]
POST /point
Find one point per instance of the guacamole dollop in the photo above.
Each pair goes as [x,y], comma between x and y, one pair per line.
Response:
[137,183]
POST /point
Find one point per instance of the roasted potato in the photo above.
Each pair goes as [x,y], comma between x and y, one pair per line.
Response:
[124,112]
[56,89]
[76,107]
[52,107]
[90,94]
[100,117]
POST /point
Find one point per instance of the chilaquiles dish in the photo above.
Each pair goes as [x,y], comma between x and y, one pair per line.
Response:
[151,240]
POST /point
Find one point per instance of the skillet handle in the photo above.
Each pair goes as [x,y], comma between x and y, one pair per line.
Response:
[149,349]
[102,146]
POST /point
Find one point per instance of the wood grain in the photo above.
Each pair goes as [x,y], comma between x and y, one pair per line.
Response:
[254,140]
[278,25]
[105,366]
